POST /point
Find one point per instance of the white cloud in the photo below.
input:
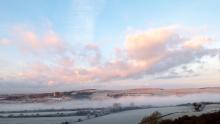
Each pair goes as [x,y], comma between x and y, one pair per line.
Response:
[4,42]
[145,53]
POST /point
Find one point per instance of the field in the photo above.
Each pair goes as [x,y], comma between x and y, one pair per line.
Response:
[126,117]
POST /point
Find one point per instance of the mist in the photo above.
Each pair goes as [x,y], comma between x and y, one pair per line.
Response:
[108,102]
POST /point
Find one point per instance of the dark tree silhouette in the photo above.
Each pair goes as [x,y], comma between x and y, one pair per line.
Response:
[198,107]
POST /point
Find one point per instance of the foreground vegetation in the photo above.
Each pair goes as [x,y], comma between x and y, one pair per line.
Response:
[209,118]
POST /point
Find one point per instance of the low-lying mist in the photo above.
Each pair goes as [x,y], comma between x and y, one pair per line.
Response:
[108,102]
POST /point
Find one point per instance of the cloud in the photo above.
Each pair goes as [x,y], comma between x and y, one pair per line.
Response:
[145,53]
[197,42]
[163,48]
[172,76]
[29,41]
[92,54]
[148,44]
[4,42]
[180,72]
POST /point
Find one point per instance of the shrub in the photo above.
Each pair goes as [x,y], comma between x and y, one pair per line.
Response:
[152,119]
[209,118]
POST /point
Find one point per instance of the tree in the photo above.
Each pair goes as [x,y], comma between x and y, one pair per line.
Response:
[198,106]
[116,107]
[65,122]
[79,120]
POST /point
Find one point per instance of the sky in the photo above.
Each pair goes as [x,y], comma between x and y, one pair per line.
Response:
[54,45]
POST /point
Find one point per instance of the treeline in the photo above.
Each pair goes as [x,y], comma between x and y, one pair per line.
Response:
[209,118]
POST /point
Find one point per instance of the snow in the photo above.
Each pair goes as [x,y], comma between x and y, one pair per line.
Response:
[41,120]
[135,116]
[126,117]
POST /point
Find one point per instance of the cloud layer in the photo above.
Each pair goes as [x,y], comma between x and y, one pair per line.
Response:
[144,53]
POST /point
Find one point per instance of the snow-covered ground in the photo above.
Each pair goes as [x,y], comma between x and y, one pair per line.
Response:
[35,113]
[126,117]
[135,116]
[131,117]
[41,120]
[208,109]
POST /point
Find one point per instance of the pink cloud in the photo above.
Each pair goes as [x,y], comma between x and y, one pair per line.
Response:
[145,53]
[92,54]
[4,42]
[32,42]
[197,42]
[145,45]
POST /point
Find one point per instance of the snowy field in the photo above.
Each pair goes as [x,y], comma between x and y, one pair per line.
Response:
[131,117]
[34,113]
[42,120]
[207,109]
[126,117]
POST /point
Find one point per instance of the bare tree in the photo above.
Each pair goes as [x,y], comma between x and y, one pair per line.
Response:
[198,107]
